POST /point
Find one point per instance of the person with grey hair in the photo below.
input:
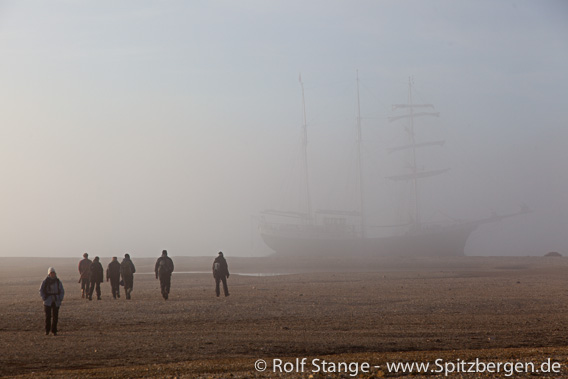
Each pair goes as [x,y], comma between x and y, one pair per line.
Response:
[51,292]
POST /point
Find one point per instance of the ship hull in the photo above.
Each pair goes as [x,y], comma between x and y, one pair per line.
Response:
[443,241]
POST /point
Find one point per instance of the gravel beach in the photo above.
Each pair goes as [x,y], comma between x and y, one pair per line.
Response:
[281,310]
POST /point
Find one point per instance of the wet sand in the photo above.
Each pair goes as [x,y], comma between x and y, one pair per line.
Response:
[373,310]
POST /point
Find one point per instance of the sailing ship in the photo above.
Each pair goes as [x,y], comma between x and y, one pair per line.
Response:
[325,232]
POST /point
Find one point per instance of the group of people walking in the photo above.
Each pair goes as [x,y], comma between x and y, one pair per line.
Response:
[91,275]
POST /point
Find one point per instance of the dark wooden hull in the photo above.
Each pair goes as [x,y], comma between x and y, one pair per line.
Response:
[441,241]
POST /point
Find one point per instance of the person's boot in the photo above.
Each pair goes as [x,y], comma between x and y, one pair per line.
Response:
[98,297]
[82,294]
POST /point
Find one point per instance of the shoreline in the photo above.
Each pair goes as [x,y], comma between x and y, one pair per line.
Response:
[499,308]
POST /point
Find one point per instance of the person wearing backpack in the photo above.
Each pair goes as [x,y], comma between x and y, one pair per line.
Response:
[221,273]
[51,292]
[97,277]
[164,269]
[127,271]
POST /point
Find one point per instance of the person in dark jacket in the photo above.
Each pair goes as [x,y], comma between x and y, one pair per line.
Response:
[164,268]
[96,277]
[221,273]
[85,273]
[127,271]
[113,274]
[51,292]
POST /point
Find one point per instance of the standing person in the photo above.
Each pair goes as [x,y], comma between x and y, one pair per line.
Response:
[127,271]
[113,274]
[221,273]
[85,273]
[164,268]
[97,277]
[51,292]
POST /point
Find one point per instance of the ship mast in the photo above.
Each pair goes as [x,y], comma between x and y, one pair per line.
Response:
[413,162]
[413,146]
[305,155]
[359,165]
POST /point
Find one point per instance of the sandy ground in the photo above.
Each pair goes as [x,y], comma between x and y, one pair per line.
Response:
[373,310]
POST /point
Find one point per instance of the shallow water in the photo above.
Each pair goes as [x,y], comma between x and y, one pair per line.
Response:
[209,272]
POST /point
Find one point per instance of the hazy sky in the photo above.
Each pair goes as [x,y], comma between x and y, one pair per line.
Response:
[147,125]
